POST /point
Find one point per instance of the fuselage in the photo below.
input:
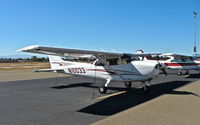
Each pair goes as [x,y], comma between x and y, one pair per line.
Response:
[178,62]
[133,71]
[182,64]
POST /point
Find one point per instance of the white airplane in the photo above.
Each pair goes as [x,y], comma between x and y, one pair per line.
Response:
[109,66]
[176,62]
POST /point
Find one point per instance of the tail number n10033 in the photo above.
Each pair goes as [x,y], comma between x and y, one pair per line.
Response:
[76,70]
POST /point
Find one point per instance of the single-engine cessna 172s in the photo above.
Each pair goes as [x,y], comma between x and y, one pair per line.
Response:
[175,61]
[109,66]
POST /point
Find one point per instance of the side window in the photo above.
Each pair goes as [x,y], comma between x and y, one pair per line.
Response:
[128,59]
[98,63]
[183,60]
[176,59]
[191,58]
[124,60]
[114,61]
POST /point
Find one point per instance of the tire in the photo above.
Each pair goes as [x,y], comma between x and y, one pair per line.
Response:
[146,89]
[128,84]
[179,73]
[102,89]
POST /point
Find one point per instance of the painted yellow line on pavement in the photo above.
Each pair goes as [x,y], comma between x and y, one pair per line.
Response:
[110,95]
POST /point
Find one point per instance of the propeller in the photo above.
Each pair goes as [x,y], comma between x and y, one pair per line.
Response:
[161,66]
[163,70]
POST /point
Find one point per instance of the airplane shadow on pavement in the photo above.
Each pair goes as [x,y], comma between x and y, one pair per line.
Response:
[133,97]
[64,86]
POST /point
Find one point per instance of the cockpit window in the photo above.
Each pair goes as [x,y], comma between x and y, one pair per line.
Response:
[183,59]
[128,58]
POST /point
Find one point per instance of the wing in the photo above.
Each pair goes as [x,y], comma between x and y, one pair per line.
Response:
[183,58]
[76,52]
[67,52]
[177,55]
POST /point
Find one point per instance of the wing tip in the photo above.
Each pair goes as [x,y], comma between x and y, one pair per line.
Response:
[28,48]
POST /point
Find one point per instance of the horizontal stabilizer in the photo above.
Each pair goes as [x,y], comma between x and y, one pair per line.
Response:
[48,70]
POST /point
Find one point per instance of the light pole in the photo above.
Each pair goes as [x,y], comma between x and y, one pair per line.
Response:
[195,46]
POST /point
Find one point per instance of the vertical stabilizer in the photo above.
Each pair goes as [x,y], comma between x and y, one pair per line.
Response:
[140,52]
[55,61]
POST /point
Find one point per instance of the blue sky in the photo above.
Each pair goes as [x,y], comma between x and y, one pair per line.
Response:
[109,25]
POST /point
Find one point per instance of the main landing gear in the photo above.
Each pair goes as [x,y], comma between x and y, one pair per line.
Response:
[103,88]
[181,72]
[145,88]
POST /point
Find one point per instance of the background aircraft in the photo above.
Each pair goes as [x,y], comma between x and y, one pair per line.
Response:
[175,61]
[180,62]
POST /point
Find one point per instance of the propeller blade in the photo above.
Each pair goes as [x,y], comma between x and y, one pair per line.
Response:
[164,71]
[161,67]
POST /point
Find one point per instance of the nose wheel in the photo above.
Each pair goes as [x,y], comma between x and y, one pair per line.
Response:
[128,84]
[181,72]
[146,89]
